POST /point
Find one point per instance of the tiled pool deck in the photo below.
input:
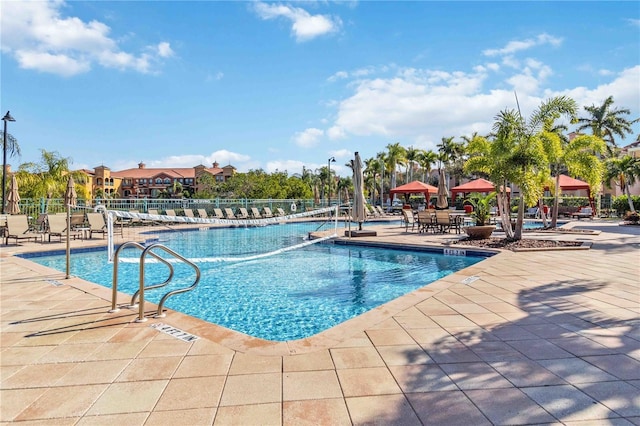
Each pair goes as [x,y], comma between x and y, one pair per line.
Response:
[548,337]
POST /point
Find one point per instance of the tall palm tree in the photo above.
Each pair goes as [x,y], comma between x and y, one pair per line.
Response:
[382,159]
[412,155]
[625,172]
[396,155]
[426,160]
[371,170]
[13,149]
[606,121]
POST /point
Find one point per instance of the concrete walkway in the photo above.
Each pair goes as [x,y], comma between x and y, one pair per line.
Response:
[542,337]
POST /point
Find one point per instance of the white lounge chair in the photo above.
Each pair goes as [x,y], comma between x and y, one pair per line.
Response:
[280,211]
[229,214]
[267,212]
[217,213]
[203,213]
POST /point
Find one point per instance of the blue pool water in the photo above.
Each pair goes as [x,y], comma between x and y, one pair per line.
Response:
[283,297]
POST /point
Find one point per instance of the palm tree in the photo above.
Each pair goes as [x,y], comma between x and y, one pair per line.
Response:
[412,155]
[13,149]
[605,122]
[49,177]
[396,155]
[624,171]
[579,157]
[382,160]
[371,170]
[516,154]
[426,160]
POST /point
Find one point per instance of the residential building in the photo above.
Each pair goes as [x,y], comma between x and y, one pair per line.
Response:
[143,182]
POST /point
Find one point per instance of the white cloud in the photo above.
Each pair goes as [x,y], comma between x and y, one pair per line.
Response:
[634,22]
[40,38]
[341,153]
[519,45]
[308,137]
[304,26]
[336,132]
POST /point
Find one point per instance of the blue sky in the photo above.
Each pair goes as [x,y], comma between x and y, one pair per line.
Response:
[279,86]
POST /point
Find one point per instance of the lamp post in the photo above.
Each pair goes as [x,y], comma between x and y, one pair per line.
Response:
[329,161]
[7,117]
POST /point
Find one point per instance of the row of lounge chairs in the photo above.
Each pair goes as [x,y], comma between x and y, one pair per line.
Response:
[17,227]
[221,213]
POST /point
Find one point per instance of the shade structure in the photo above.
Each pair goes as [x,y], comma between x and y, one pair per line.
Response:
[13,198]
[359,214]
[70,196]
[443,193]
[568,183]
[415,187]
[478,185]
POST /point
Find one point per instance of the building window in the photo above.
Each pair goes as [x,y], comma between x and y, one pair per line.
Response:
[167,181]
[158,181]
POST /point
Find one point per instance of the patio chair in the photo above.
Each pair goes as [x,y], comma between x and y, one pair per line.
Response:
[217,213]
[244,214]
[255,213]
[443,220]
[18,228]
[408,219]
[267,212]
[189,213]
[171,212]
[97,224]
[280,211]
[380,210]
[58,227]
[229,214]
[426,221]
[203,213]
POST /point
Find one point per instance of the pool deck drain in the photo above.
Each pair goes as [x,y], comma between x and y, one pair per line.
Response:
[536,337]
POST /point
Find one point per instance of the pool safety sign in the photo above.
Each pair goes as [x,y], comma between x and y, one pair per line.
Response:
[175,332]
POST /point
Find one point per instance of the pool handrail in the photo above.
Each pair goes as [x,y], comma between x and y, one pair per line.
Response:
[147,250]
[114,295]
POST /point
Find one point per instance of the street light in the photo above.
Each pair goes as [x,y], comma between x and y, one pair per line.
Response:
[331,160]
[7,117]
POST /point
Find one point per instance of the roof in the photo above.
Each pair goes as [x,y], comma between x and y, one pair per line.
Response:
[183,172]
[478,185]
[570,184]
[415,187]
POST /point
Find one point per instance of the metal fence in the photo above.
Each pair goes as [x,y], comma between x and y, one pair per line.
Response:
[33,208]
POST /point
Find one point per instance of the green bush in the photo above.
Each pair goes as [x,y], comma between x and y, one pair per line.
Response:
[621,204]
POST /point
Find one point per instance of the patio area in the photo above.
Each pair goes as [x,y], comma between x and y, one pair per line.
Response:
[542,337]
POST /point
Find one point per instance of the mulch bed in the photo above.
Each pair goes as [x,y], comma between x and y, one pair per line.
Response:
[508,244]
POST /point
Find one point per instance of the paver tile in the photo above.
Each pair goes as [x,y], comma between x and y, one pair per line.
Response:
[310,385]
[515,407]
[382,410]
[367,382]
[446,408]
[566,403]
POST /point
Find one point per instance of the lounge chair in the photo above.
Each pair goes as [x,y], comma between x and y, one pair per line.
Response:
[532,212]
[154,212]
[229,214]
[217,213]
[255,213]
[244,214]
[267,212]
[171,212]
[583,212]
[58,227]
[380,210]
[280,211]
[408,219]
[203,213]
[189,213]
[18,228]
[97,224]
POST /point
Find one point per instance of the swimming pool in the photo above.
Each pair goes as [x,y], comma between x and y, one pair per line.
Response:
[284,297]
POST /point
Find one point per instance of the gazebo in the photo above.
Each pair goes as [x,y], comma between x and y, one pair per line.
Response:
[478,185]
[415,187]
[567,183]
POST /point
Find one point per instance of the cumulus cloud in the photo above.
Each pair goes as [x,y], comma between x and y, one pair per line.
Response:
[40,38]
[519,45]
[308,138]
[304,26]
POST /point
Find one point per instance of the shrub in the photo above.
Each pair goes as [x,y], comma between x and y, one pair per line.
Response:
[621,204]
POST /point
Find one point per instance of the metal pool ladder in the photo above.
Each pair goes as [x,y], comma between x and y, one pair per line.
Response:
[148,250]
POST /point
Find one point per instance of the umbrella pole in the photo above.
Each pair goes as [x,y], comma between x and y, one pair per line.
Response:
[68,243]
